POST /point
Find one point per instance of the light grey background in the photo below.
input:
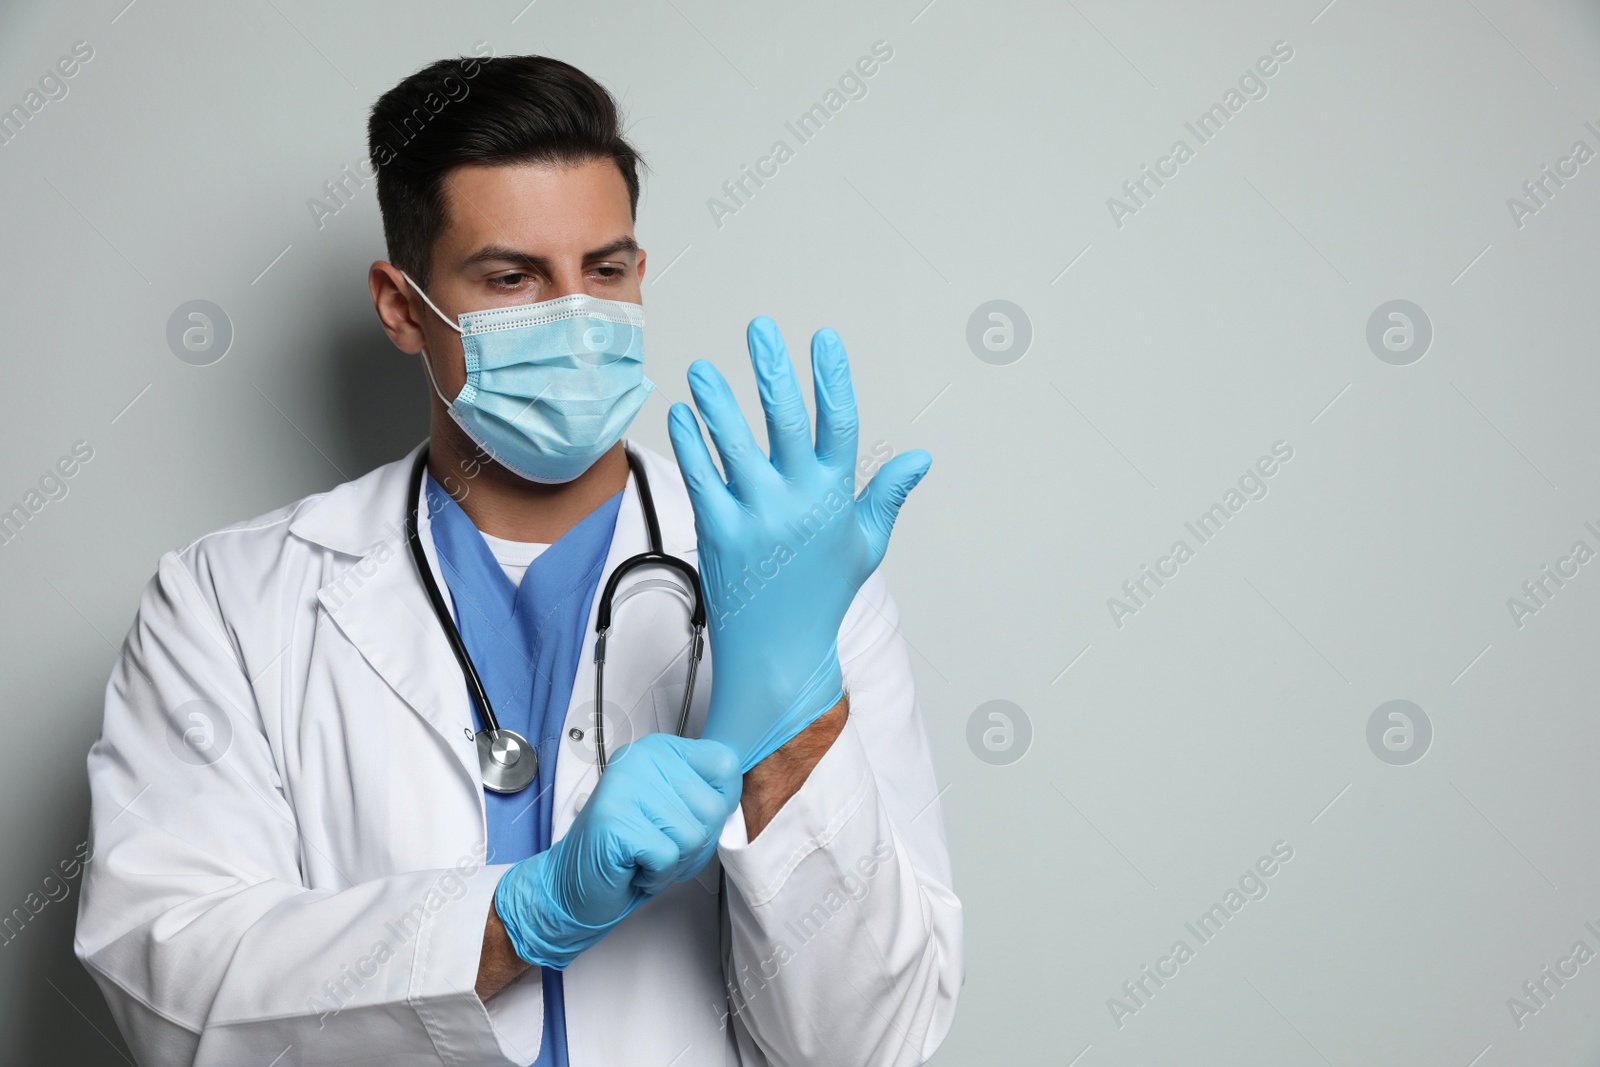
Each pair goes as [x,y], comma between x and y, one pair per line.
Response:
[1228,314]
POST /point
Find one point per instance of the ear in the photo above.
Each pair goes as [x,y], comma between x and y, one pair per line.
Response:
[399,309]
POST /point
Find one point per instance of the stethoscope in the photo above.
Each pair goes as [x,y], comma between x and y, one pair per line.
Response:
[507,761]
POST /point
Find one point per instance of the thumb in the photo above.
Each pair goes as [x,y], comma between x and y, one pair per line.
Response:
[879,503]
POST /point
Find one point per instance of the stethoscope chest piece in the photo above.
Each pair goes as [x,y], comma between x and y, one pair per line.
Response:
[507,761]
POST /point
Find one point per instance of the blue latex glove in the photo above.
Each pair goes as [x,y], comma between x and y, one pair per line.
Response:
[785,544]
[653,820]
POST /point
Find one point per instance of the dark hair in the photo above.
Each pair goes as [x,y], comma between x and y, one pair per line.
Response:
[505,109]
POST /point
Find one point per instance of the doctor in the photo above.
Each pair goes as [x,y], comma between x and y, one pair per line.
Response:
[355,799]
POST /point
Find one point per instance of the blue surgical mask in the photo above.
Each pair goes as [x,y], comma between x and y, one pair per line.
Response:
[550,386]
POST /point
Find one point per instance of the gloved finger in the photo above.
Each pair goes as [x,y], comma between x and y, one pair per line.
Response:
[656,858]
[788,422]
[708,493]
[879,503]
[704,802]
[837,423]
[695,845]
[698,794]
[713,806]
[742,459]
[694,839]
[715,763]
[697,863]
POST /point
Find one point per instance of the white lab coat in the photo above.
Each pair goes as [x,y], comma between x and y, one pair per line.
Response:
[316,892]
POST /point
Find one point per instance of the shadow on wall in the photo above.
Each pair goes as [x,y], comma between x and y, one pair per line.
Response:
[61,1015]
[380,397]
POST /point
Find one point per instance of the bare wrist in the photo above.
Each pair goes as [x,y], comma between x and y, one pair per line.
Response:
[769,784]
[499,965]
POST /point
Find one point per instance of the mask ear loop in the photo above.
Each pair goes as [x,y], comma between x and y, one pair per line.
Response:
[427,361]
[427,365]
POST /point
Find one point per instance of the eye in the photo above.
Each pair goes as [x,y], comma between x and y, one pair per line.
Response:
[611,271]
[507,281]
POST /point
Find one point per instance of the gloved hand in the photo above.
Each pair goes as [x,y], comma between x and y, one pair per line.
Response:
[785,544]
[654,819]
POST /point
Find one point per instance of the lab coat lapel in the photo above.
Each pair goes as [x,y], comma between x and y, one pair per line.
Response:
[379,604]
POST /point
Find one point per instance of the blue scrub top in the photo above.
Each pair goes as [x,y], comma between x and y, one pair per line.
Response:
[525,641]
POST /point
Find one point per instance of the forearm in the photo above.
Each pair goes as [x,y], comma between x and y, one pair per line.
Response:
[499,965]
[769,784]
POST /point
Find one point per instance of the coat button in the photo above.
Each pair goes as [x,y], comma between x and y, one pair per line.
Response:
[575,733]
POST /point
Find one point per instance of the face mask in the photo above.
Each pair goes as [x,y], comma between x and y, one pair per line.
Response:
[550,386]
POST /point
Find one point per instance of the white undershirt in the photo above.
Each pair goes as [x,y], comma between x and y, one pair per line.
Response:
[513,556]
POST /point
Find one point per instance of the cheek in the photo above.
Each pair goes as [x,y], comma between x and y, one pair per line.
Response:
[448,359]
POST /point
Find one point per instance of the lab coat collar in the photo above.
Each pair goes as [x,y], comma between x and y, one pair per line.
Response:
[358,517]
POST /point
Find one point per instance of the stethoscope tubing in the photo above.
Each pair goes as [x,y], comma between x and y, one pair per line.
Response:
[441,610]
[654,557]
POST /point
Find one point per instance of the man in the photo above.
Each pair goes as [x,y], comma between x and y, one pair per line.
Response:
[312,843]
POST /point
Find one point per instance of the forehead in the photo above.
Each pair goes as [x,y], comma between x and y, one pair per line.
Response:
[544,208]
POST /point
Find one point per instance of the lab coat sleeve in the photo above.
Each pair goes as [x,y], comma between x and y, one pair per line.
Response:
[194,920]
[845,934]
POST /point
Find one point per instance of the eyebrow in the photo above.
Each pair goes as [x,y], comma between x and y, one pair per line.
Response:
[504,254]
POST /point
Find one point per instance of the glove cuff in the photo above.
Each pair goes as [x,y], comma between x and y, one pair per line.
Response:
[820,692]
[541,931]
